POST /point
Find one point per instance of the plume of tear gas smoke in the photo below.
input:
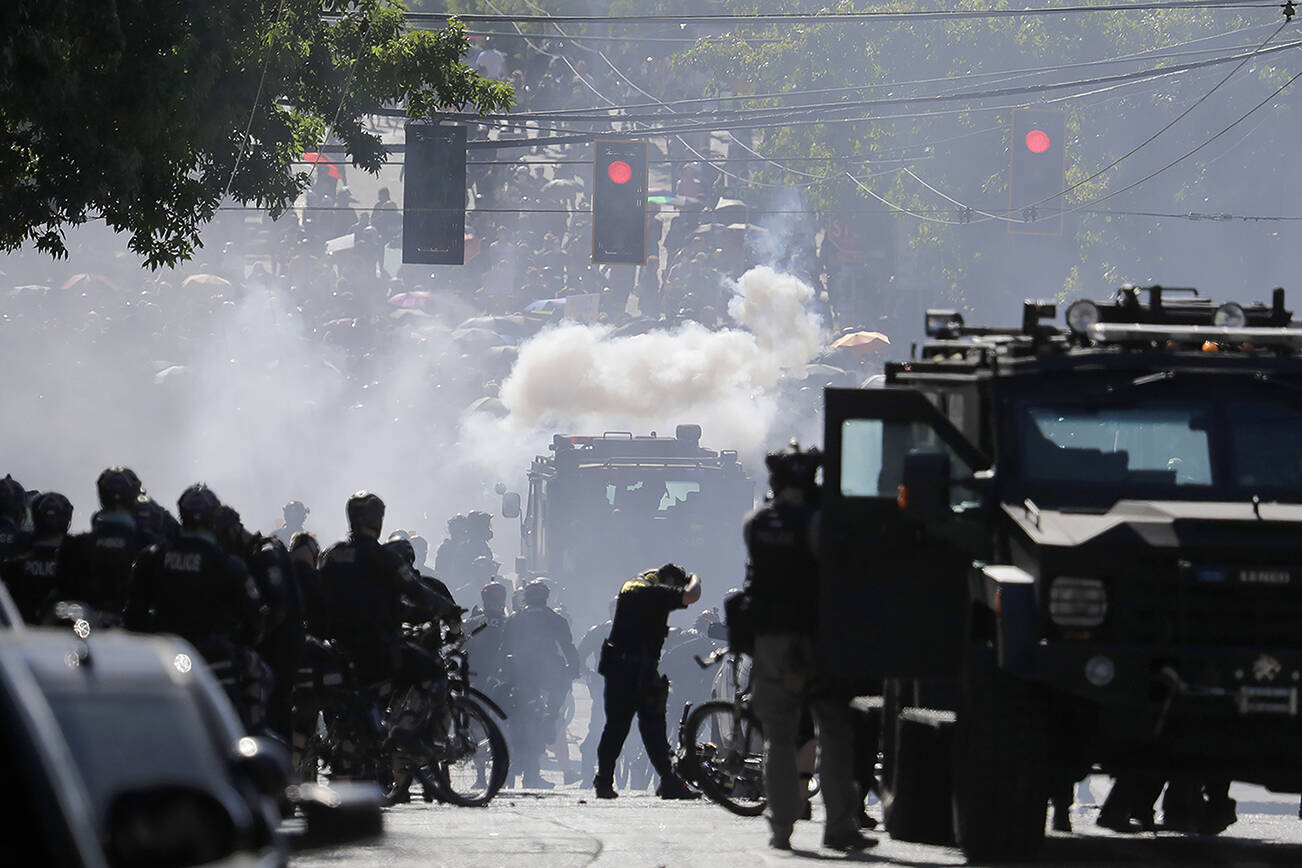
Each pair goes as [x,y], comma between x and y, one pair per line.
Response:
[273,419]
[582,378]
[255,405]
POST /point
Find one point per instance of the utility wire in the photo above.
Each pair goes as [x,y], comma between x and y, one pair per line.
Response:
[833,17]
[798,116]
[1168,126]
[1189,153]
[1151,54]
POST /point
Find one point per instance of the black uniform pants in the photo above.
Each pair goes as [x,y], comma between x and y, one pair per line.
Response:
[634,689]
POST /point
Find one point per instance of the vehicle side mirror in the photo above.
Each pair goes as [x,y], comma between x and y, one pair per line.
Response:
[924,491]
[337,814]
[265,763]
[171,825]
[511,504]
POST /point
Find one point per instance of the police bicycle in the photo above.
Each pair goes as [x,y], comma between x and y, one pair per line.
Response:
[346,727]
[471,760]
[721,743]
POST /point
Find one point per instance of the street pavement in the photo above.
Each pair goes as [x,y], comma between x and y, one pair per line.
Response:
[568,827]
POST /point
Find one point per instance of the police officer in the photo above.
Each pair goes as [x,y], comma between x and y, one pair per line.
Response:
[484,648]
[453,558]
[539,654]
[630,661]
[31,576]
[782,582]
[15,536]
[202,593]
[294,513]
[363,586]
[96,566]
[283,634]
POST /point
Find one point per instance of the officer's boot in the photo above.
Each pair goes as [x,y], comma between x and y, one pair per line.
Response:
[604,784]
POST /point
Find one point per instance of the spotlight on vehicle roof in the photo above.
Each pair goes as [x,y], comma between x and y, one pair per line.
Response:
[1230,315]
[943,323]
[1081,315]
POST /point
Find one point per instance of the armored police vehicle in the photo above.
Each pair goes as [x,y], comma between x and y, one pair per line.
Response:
[1066,549]
[602,508]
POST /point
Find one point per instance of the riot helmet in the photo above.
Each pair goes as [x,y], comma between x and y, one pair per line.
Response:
[51,514]
[493,595]
[295,513]
[365,513]
[198,507]
[536,593]
[303,546]
[480,524]
[421,547]
[792,468]
[399,543]
[13,499]
[118,488]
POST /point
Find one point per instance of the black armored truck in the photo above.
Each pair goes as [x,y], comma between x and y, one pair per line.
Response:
[601,508]
[1071,549]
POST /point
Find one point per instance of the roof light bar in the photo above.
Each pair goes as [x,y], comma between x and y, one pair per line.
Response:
[1116,333]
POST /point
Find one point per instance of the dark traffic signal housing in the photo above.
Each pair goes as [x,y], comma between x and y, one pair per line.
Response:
[1037,171]
[619,175]
[434,195]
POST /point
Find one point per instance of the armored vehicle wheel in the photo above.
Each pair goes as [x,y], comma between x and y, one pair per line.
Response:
[1000,753]
[915,771]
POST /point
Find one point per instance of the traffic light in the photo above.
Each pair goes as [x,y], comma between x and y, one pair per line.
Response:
[1037,171]
[434,195]
[619,176]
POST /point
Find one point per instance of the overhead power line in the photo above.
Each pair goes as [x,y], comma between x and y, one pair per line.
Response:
[708,118]
[834,17]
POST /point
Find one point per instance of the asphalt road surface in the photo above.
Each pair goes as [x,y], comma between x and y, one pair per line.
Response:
[568,827]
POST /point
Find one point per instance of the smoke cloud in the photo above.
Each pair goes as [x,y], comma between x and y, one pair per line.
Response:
[586,379]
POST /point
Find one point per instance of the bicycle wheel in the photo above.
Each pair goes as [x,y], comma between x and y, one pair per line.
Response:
[725,755]
[475,765]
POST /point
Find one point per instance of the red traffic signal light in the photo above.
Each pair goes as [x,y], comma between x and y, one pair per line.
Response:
[620,172]
[1036,177]
[1038,141]
[619,218]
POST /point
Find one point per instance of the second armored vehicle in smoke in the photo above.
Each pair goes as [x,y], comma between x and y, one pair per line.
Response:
[601,508]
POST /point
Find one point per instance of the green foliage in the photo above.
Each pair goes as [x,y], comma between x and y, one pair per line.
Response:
[135,111]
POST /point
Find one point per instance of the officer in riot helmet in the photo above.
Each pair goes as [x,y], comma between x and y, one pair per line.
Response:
[420,548]
[485,646]
[782,584]
[294,514]
[282,640]
[630,660]
[480,527]
[363,586]
[453,551]
[538,655]
[15,535]
[96,566]
[400,542]
[196,589]
[31,576]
